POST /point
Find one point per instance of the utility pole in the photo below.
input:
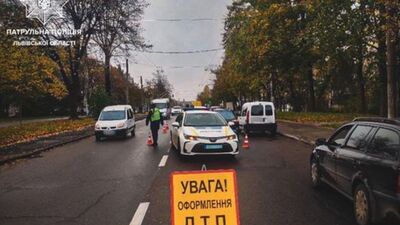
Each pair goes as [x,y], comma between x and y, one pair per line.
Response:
[127,83]
[142,100]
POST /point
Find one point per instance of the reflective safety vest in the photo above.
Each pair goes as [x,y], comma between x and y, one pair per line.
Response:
[156,116]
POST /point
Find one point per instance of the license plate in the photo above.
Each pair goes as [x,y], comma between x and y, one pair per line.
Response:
[213,147]
[109,132]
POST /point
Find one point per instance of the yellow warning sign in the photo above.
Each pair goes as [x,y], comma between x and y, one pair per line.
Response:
[204,198]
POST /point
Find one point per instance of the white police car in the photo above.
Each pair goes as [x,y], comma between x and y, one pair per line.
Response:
[200,132]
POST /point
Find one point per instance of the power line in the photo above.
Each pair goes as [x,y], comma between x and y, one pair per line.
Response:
[183,19]
[182,52]
[172,67]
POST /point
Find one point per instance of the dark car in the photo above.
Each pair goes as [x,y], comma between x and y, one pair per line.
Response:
[362,161]
[229,116]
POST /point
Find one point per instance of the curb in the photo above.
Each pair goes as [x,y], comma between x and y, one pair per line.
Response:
[297,138]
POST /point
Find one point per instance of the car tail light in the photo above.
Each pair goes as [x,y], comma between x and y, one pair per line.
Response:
[247,117]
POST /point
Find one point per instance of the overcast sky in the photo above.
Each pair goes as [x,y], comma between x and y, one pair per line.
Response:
[185,35]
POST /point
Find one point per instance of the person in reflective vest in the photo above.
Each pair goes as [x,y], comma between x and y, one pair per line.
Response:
[155,120]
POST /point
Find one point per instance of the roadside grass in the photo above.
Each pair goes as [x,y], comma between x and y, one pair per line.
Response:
[329,120]
[29,131]
[26,119]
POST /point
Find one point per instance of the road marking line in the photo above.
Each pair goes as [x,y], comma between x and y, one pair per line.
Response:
[163,161]
[140,213]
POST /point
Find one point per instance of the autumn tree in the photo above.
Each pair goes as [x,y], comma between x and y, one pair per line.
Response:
[25,72]
[159,86]
[118,31]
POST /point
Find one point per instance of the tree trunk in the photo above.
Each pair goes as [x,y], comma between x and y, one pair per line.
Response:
[391,61]
[75,89]
[311,91]
[382,76]
[107,72]
[361,87]
[293,98]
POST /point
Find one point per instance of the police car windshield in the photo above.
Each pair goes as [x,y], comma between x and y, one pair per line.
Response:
[112,115]
[161,105]
[203,120]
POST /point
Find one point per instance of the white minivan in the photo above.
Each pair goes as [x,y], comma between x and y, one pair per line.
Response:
[116,120]
[258,117]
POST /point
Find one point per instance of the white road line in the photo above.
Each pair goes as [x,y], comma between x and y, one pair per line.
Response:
[140,213]
[163,161]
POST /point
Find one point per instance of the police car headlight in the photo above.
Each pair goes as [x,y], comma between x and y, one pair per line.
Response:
[97,127]
[231,137]
[190,137]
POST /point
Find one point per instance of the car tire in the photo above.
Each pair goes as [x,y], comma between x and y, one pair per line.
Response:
[362,205]
[98,138]
[172,143]
[179,147]
[273,131]
[315,174]
[133,133]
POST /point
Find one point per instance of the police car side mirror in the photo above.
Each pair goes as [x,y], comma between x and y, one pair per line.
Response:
[230,123]
[175,124]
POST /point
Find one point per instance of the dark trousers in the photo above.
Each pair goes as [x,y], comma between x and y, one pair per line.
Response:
[154,127]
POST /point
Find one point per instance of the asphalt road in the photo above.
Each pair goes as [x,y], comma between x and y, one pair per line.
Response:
[104,183]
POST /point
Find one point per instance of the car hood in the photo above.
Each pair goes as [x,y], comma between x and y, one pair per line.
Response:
[208,131]
[109,123]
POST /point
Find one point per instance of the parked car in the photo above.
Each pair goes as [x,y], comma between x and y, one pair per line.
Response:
[258,117]
[176,110]
[230,117]
[214,107]
[361,161]
[117,120]
[200,132]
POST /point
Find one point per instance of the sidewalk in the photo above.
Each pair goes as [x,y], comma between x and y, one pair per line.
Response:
[303,132]
[16,121]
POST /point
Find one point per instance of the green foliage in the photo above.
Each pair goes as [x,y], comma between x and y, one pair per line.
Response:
[98,100]
[311,55]
[205,96]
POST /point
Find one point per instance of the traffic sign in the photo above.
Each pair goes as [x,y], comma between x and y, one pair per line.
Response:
[204,198]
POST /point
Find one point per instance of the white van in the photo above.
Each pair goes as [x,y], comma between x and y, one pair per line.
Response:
[163,105]
[116,120]
[258,117]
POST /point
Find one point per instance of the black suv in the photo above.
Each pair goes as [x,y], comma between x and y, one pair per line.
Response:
[362,161]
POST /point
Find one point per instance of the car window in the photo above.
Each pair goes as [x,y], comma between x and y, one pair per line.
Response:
[358,138]
[340,136]
[228,115]
[257,110]
[268,110]
[112,115]
[386,143]
[130,115]
[161,105]
[204,119]
[179,119]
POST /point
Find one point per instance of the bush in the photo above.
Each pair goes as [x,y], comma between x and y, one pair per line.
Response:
[98,100]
